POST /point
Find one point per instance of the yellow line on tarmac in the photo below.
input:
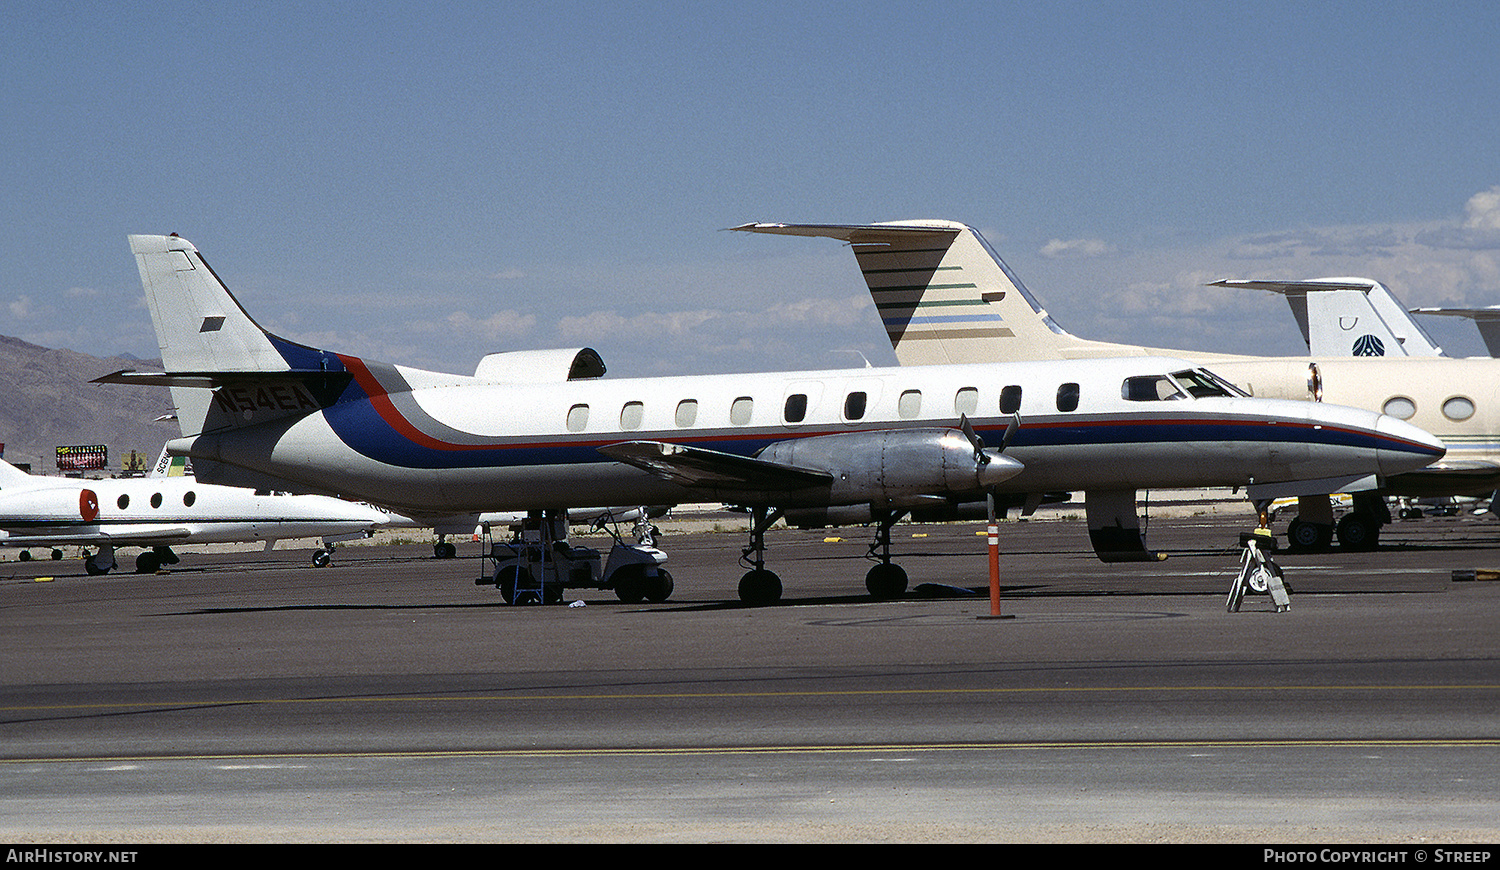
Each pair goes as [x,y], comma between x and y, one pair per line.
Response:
[813,749]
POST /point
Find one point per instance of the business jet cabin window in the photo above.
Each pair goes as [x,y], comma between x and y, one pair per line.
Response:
[1458,408]
[1399,407]
[796,408]
[854,406]
[1010,400]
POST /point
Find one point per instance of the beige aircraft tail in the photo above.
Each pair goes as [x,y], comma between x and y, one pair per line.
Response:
[945,296]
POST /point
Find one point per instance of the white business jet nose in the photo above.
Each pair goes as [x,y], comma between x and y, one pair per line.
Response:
[1404,447]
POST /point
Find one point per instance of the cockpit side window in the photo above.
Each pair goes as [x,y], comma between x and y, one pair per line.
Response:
[1149,388]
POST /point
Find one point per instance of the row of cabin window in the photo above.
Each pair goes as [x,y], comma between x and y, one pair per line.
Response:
[188,498]
[856,405]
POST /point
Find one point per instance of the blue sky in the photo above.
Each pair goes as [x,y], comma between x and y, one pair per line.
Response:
[425,183]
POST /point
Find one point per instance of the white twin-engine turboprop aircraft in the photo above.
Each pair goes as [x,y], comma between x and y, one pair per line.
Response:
[945,296]
[251,403]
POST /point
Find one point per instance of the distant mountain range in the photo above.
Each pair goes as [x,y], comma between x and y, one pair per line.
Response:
[46,401]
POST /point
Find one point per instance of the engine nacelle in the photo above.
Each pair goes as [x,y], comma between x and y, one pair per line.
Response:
[61,505]
[896,467]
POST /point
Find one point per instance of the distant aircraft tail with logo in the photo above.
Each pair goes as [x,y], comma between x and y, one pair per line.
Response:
[1349,317]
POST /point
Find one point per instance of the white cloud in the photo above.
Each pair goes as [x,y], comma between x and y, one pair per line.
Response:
[1058,249]
[20,307]
[1155,296]
[508,324]
[1482,211]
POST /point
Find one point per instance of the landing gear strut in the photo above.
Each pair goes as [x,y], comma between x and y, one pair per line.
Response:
[759,586]
[885,580]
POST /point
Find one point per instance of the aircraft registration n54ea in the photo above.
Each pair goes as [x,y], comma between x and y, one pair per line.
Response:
[252,404]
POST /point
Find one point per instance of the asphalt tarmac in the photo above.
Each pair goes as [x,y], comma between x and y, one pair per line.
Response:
[249,697]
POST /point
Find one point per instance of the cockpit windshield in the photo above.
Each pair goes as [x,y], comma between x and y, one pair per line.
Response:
[1189,383]
[1211,384]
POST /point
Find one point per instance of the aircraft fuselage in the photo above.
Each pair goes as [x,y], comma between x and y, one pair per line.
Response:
[419,441]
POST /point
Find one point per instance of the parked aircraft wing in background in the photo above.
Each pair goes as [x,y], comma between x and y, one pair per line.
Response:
[1486,319]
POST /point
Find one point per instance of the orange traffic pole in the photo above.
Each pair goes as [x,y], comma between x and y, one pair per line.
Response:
[994,534]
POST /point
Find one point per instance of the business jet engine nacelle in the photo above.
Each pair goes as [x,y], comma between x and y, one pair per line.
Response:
[896,468]
[65,505]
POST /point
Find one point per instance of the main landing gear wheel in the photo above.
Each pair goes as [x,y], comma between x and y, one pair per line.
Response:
[322,558]
[1358,531]
[886,581]
[147,563]
[444,550]
[760,587]
[1305,537]
[101,562]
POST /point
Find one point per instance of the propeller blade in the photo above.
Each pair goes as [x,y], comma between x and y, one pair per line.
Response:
[980,457]
[1010,431]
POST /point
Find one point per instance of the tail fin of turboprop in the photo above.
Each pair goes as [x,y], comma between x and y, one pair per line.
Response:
[945,296]
[199,325]
[1349,317]
[224,370]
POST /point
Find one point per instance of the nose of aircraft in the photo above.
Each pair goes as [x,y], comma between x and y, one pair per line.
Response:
[1404,447]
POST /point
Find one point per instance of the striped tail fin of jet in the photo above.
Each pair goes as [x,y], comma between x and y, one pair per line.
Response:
[944,296]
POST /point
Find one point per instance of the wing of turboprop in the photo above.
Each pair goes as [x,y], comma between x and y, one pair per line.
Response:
[890,467]
[1457,477]
[698,468]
